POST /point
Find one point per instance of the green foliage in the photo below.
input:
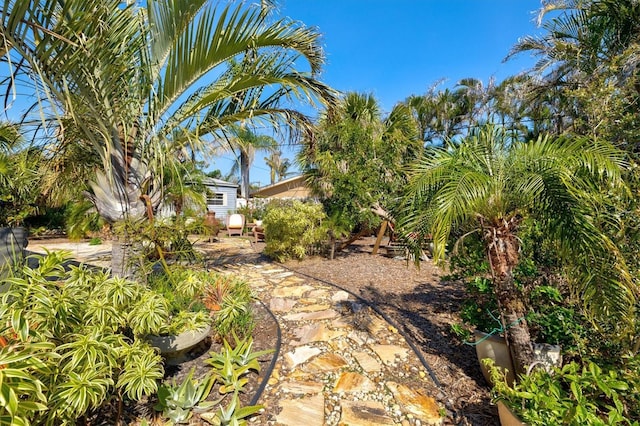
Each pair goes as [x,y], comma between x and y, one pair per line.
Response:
[23,392]
[293,228]
[81,219]
[95,241]
[234,315]
[480,309]
[142,369]
[160,240]
[241,355]
[557,321]
[233,414]
[20,177]
[572,395]
[178,401]
[232,365]
[183,289]
[187,320]
[74,326]
[355,159]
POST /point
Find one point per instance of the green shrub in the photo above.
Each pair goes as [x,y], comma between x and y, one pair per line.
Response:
[79,332]
[293,228]
[573,395]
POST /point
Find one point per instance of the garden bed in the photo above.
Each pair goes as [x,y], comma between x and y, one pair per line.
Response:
[264,338]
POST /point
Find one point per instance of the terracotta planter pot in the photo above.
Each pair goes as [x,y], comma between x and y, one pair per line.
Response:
[174,348]
[507,417]
[494,347]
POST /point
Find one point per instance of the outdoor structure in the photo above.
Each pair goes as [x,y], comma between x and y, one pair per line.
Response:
[292,188]
[221,197]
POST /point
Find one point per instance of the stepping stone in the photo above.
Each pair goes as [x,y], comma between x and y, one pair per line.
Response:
[300,355]
[326,362]
[340,323]
[292,291]
[308,411]
[354,382]
[319,294]
[282,275]
[292,280]
[308,316]
[272,271]
[279,304]
[312,307]
[340,296]
[388,353]
[412,401]
[367,362]
[364,413]
[315,333]
[302,388]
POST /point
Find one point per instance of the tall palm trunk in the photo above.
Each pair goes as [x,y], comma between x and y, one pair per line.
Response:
[244,174]
[502,250]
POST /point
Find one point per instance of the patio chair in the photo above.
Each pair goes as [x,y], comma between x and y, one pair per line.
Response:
[258,233]
[235,224]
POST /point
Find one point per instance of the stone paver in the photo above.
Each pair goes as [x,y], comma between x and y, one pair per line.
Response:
[339,363]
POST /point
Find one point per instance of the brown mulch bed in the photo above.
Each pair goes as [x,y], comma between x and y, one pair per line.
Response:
[425,306]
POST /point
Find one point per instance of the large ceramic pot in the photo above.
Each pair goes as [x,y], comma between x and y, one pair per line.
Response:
[507,417]
[13,241]
[174,348]
[494,347]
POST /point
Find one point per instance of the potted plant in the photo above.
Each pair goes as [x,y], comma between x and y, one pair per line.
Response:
[578,393]
[188,320]
[19,177]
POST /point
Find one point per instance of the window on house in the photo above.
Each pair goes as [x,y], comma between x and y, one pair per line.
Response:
[216,199]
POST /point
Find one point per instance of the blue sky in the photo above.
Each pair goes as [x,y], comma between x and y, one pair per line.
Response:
[397,48]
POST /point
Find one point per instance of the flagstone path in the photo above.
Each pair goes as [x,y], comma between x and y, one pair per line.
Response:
[339,363]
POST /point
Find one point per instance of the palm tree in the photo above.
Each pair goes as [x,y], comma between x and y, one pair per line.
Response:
[490,183]
[20,175]
[278,166]
[244,143]
[587,59]
[273,161]
[355,159]
[283,170]
[138,80]
[440,115]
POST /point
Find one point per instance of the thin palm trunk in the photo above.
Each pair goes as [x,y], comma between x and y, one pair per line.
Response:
[244,174]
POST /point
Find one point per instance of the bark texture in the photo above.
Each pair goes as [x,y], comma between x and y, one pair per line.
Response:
[503,248]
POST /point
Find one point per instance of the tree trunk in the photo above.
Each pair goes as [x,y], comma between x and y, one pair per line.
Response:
[244,175]
[120,259]
[502,249]
[516,328]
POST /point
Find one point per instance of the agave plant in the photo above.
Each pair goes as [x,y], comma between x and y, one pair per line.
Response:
[233,414]
[178,401]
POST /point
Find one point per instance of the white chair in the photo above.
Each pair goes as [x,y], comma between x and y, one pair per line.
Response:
[235,224]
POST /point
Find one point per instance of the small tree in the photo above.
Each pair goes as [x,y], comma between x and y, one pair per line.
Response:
[490,183]
[356,157]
